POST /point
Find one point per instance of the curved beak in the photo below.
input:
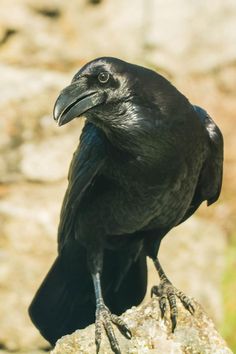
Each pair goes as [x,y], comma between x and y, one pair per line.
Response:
[74,101]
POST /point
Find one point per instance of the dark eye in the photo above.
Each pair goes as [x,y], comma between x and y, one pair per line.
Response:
[103,77]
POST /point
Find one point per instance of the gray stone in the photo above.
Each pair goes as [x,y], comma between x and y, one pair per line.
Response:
[175,35]
[151,334]
[48,160]
[190,36]
[29,218]
[32,145]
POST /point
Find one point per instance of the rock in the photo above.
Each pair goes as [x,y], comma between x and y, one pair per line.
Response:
[190,36]
[35,38]
[177,36]
[24,352]
[48,160]
[29,219]
[225,78]
[151,334]
[30,140]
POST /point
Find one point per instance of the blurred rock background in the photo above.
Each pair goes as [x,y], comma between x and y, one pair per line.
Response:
[42,44]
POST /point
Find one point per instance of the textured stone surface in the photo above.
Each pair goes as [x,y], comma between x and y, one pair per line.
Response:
[28,218]
[48,160]
[176,35]
[190,36]
[151,334]
[29,139]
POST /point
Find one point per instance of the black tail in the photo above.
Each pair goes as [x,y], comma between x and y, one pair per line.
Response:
[65,301]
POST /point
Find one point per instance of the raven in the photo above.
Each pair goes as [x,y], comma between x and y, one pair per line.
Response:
[147,159]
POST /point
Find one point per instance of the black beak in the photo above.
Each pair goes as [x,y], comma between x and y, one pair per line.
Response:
[74,101]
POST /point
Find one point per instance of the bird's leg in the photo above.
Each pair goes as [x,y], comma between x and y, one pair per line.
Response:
[167,292]
[104,318]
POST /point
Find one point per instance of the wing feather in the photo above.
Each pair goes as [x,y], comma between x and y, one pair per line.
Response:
[210,179]
[87,161]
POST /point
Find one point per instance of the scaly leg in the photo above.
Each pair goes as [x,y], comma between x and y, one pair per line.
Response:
[104,318]
[166,291]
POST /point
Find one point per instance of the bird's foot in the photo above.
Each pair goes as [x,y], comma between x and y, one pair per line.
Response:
[167,292]
[104,318]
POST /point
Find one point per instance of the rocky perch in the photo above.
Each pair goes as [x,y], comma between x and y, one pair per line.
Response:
[151,334]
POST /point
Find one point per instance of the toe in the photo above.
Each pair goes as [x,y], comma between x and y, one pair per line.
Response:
[186,301]
[104,318]
[98,332]
[173,307]
[111,336]
[191,308]
[162,304]
[121,325]
[165,291]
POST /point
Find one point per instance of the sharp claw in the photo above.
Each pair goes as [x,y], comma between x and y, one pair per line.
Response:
[154,291]
[186,302]
[173,322]
[121,325]
[115,347]
[166,291]
[114,344]
[98,343]
[191,309]
[116,350]
[163,310]
[128,333]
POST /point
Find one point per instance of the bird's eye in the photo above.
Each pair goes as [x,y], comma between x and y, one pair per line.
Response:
[103,77]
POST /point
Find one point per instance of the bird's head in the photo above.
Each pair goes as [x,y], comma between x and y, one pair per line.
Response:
[104,91]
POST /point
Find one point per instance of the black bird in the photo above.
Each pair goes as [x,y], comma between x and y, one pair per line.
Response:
[146,161]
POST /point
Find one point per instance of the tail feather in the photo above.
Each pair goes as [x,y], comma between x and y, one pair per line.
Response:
[133,286]
[65,300]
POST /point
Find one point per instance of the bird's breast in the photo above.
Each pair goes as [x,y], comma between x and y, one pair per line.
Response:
[130,207]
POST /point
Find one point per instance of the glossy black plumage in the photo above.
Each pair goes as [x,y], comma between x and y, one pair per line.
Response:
[146,161]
